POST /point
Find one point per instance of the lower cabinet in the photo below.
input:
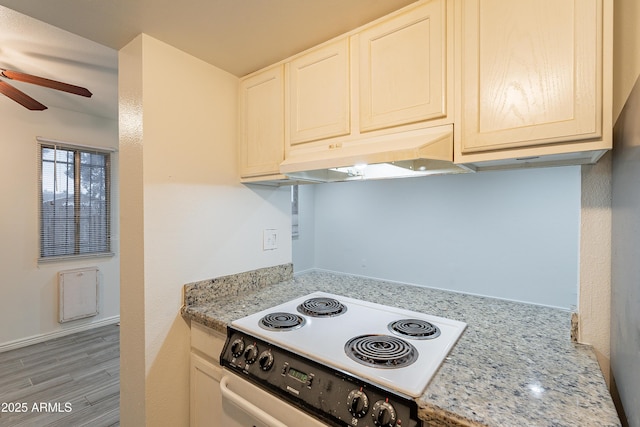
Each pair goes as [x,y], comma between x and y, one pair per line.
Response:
[205,374]
[206,400]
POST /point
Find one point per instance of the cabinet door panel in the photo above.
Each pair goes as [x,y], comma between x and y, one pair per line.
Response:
[206,399]
[262,123]
[530,73]
[319,93]
[402,68]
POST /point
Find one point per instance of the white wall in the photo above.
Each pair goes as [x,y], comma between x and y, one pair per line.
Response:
[595,260]
[29,292]
[185,216]
[508,234]
[303,246]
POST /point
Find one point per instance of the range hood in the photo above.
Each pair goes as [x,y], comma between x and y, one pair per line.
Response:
[418,152]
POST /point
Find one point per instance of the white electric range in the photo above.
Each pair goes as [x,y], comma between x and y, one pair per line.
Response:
[345,361]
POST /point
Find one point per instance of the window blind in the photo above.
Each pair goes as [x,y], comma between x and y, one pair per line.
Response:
[74,200]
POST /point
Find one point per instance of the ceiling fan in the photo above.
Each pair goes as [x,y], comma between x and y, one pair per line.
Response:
[27,101]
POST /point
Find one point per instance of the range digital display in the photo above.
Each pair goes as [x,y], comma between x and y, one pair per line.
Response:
[300,376]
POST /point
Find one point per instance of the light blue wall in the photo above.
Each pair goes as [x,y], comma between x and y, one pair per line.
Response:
[507,234]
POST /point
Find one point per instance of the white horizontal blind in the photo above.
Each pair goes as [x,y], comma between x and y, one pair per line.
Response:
[75,199]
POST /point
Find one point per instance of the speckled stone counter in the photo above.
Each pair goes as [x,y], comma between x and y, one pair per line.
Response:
[515,364]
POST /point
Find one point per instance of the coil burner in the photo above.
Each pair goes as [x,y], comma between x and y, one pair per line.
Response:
[281,321]
[381,351]
[322,307]
[414,328]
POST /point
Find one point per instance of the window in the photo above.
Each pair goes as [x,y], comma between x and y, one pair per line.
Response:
[75,217]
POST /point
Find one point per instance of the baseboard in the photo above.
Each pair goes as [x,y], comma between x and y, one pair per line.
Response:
[35,339]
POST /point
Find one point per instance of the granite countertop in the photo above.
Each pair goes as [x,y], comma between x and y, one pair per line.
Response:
[515,364]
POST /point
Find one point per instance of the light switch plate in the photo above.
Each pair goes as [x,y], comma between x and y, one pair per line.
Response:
[270,239]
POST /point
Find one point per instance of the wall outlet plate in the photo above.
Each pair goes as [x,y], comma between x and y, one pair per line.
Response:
[270,239]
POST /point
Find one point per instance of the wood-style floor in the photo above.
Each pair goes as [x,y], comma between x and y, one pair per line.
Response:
[69,381]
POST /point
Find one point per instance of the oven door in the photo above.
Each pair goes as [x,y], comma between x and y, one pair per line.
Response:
[246,405]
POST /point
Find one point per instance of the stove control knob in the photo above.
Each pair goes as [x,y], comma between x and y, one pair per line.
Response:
[266,360]
[384,414]
[237,347]
[358,403]
[251,353]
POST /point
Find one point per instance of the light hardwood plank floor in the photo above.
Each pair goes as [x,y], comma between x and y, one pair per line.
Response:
[70,381]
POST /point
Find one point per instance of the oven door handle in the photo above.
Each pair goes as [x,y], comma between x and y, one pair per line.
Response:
[247,406]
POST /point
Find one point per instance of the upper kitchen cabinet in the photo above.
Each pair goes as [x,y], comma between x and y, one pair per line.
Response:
[383,78]
[319,93]
[402,63]
[536,82]
[261,124]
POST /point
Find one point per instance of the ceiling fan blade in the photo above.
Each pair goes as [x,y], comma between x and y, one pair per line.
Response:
[41,81]
[20,97]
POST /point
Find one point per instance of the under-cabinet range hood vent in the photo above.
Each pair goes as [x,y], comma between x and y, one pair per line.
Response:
[418,152]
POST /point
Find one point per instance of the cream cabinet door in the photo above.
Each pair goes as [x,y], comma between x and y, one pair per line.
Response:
[532,73]
[402,68]
[261,124]
[319,93]
[206,399]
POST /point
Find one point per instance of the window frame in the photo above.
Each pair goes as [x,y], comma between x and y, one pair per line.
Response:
[77,150]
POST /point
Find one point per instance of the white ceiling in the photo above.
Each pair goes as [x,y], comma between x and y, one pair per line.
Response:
[239,36]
